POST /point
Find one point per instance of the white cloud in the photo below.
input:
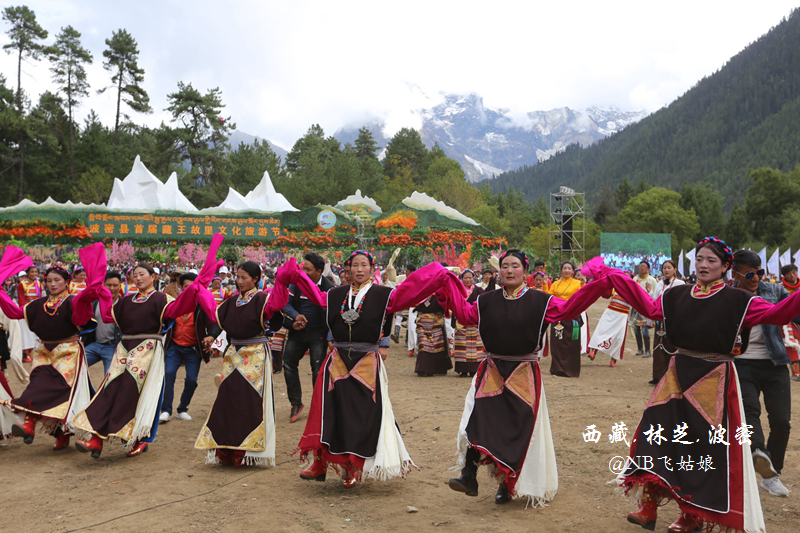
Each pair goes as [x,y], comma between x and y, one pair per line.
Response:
[284,66]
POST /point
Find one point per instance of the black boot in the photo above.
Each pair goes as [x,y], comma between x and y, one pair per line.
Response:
[502,496]
[467,482]
[637,332]
[396,335]
[647,347]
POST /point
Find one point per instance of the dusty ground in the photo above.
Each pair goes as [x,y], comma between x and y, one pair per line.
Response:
[170,489]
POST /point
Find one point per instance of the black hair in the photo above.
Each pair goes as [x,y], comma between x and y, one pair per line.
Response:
[145,266]
[411,268]
[316,260]
[252,269]
[189,275]
[785,269]
[644,263]
[444,264]
[570,263]
[719,248]
[487,271]
[61,271]
[113,274]
[537,263]
[745,257]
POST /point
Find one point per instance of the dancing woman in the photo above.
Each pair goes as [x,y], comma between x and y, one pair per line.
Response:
[59,381]
[240,427]
[698,400]
[469,352]
[128,402]
[351,423]
[505,423]
[433,356]
[565,336]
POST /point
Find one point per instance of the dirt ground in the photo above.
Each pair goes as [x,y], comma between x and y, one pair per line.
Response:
[170,489]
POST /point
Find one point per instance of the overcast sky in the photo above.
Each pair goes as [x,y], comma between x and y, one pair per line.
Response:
[283,66]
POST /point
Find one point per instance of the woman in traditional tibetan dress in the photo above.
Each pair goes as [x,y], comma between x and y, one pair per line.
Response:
[240,428]
[128,402]
[662,349]
[469,352]
[612,330]
[505,423]
[702,460]
[433,356]
[351,423]
[565,336]
[59,382]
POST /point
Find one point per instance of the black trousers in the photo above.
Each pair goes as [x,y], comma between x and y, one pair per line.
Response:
[760,376]
[296,345]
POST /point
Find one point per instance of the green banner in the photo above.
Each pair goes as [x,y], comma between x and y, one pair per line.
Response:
[102,225]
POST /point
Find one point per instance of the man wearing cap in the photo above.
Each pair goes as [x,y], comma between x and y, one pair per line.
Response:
[172,288]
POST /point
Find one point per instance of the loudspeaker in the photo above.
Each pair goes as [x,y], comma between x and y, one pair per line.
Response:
[566,232]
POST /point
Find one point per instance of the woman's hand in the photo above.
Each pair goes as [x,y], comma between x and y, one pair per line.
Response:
[384,352]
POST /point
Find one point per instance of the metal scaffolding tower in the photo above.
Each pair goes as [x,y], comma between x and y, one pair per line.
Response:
[568,213]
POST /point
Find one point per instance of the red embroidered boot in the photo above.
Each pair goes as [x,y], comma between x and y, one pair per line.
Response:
[94,445]
[647,513]
[27,430]
[138,449]
[350,478]
[62,440]
[318,469]
[685,524]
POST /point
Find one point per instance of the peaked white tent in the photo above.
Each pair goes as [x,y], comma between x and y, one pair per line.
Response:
[263,198]
[140,190]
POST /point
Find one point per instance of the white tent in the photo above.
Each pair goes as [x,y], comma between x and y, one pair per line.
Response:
[142,191]
[263,198]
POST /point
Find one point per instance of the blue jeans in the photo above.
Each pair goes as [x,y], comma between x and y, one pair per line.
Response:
[177,354]
[96,352]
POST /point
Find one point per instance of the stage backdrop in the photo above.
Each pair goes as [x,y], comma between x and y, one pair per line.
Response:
[626,250]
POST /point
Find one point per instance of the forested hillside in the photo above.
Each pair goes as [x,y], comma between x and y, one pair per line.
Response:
[743,116]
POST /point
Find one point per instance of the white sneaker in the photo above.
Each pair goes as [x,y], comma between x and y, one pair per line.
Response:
[774,486]
[763,465]
[184,416]
[164,417]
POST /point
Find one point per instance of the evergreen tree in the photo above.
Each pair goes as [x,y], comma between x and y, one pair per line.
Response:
[68,58]
[737,230]
[23,36]
[707,205]
[365,144]
[202,139]
[249,162]
[407,151]
[122,58]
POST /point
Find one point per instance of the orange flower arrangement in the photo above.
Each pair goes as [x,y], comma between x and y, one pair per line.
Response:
[403,219]
[79,232]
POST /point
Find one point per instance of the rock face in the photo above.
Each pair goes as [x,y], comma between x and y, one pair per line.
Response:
[490,141]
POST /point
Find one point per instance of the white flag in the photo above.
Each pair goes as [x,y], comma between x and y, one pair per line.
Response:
[690,257]
[797,257]
[680,264]
[772,265]
[763,255]
[786,258]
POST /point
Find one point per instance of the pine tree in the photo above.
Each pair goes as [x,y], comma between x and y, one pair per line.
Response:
[122,58]
[68,58]
[24,34]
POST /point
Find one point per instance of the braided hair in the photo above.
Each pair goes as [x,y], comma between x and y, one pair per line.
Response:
[719,248]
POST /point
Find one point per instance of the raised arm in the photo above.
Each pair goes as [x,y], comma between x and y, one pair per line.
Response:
[14,260]
[780,314]
[197,292]
[93,259]
[421,284]
[558,309]
[628,289]
[279,295]
[292,274]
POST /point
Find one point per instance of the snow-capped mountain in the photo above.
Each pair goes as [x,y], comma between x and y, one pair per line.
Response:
[490,141]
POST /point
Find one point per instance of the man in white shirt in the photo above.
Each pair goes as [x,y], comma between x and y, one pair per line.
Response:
[641,327]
